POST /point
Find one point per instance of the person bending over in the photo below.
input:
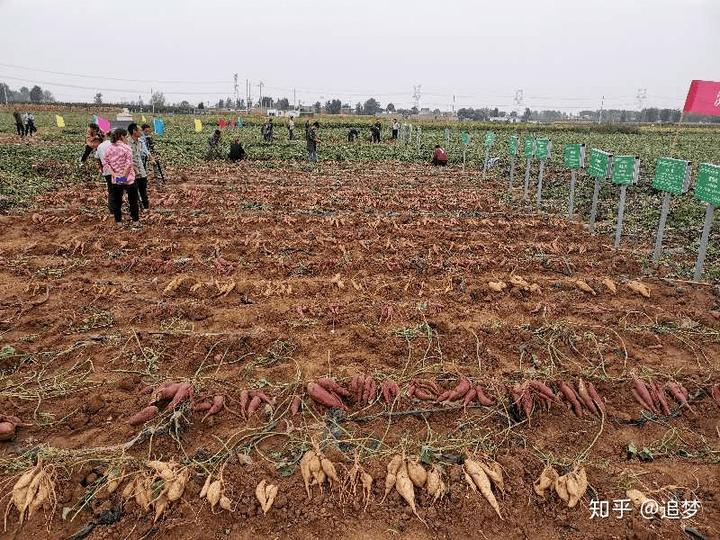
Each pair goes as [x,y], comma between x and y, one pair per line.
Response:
[237,152]
[440,157]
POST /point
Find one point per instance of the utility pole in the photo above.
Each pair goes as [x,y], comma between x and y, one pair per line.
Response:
[237,89]
[602,108]
[294,100]
[152,101]
[247,94]
[416,96]
[5,92]
[453,105]
[261,101]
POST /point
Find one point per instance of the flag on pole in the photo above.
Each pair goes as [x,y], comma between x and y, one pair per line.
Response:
[222,123]
[142,119]
[198,126]
[703,98]
[158,126]
[60,121]
[103,124]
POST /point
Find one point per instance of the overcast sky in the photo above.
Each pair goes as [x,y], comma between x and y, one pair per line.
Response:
[562,53]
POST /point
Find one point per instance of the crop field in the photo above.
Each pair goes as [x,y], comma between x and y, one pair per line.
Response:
[365,348]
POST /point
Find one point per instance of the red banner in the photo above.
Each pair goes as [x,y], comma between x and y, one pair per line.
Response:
[703,98]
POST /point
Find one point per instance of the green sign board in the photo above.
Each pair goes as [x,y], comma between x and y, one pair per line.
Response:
[465,138]
[574,155]
[600,163]
[542,148]
[513,145]
[489,138]
[625,169]
[707,185]
[672,175]
[529,148]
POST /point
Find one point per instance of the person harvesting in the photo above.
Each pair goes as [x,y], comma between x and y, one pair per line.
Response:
[312,140]
[138,153]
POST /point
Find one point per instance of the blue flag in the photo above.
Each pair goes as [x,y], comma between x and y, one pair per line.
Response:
[158,126]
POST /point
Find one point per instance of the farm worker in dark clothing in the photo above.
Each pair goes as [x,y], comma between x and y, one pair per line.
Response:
[237,152]
[29,124]
[267,130]
[312,140]
[375,132]
[395,129]
[19,124]
[214,145]
[440,157]
[137,147]
[353,134]
[152,157]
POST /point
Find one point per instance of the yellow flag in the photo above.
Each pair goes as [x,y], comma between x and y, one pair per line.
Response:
[60,121]
[198,126]
[143,119]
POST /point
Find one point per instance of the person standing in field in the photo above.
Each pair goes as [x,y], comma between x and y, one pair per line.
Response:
[440,158]
[29,124]
[152,155]
[312,140]
[214,145]
[138,149]
[91,134]
[353,134]
[100,156]
[19,124]
[375,133]
[395,129]
[291,129]
[119,164]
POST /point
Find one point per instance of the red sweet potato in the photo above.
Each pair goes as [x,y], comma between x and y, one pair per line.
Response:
[586,398]
[253,405]
[7,431]
[462,388]
[148,413]
[571,397]
[543,389]
[411,391]
[471,395]
[369,390]
[332,386]
[218,403]
[319,395]
[261,395]
[295,405]
[184,392]
[166,390]
[201,406]
[640,400]
[596,397]
[244,398]
[644,393]
[661,399]
[425,395]
[483,398]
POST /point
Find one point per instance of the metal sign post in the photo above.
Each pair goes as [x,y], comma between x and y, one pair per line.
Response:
[528,152]
[600,168]
[574,157]
[513,150]
[673,177]
[542,152]
[465,140]
[626,170]
[707,189]
[512,172]
[489,140]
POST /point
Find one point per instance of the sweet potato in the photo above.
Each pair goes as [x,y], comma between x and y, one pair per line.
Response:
[320,395]
[596,397]
[481,480]
[253,406]
[659,394]
[332,386]
[546,481]
[201,406]
[261,395]
[586,398]
[369,390]
[244,398]
[166,390]
[543,389]
[462,388]
[404,486]
[642,391]
[677,392]
[435,485]
[148,413]
[715,393]
[470,396]
[184,392]
[357,382]
[428,385]
[425,395]
[305,461]
[483,398]
[411,391]
[217,404]
[7,431]
[571,397]
[417,473]
[295,405]
[393,467]
[640,400]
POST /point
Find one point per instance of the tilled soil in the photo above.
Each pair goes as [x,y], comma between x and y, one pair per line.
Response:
[270,276]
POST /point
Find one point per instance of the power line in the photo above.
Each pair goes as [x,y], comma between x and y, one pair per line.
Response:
[110,78]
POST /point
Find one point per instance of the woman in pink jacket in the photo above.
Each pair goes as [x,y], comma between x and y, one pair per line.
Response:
[119,163]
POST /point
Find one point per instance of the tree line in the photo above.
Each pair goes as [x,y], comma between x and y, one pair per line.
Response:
[25,95]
